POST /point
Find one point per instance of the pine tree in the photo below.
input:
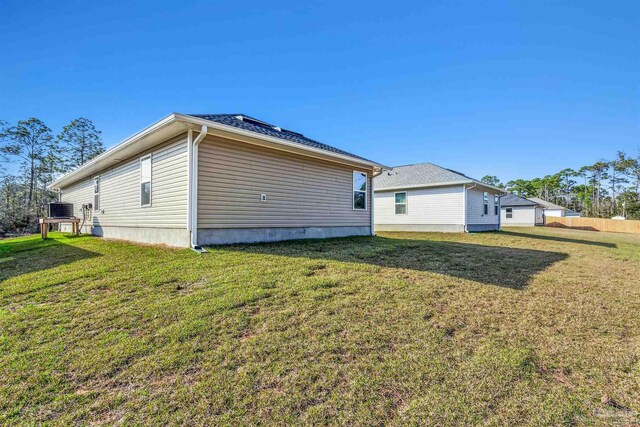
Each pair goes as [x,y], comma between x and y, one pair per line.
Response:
[31,141]
[81,141]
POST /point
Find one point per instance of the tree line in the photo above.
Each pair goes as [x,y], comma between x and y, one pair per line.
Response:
[36,156]
[604,189]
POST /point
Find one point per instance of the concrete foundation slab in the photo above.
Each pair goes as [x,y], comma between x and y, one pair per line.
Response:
[226,236]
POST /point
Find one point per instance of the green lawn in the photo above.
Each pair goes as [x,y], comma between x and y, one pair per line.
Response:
[529,326]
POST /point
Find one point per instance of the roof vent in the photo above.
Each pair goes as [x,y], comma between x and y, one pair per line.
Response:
[278,128]
[253,121]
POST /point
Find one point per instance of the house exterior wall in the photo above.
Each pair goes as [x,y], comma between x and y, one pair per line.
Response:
[306,197]
[476,219]
[523,216]
[120,214]
[554,212]
[428,209]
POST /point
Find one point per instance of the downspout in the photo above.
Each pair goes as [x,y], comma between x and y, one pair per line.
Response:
[464,186]
[192,220]
[373,198]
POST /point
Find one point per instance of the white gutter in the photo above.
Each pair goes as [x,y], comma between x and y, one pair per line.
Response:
[112,151]
[440,184]
[185,119]
[283,142]
[465,188]
[192,208]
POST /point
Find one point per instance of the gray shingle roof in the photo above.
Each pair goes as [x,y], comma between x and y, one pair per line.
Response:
[546,204]
[421,174]
[513,200]
[258,126]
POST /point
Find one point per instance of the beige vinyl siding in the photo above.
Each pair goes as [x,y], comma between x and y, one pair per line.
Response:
[301,191]
[78,193]
[120,190]
[435,205]
[475,207]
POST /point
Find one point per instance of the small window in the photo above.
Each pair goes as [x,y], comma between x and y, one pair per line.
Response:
[485,199]
[509,212]
[96,193]
[145,181]
[359,190]
[496,203]
[401,203]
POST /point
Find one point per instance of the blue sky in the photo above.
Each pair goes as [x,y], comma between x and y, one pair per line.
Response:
[514,89]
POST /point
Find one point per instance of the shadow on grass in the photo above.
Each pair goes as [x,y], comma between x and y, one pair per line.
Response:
[559,239]
[492,265]
[24,256]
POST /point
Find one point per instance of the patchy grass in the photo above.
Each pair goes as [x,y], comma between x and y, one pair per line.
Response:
[529,326]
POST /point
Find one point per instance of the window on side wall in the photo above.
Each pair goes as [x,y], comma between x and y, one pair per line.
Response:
[96,193]
[509,212]
[145,181]
[496,203]
[359,190]
[485,201]
[401,203]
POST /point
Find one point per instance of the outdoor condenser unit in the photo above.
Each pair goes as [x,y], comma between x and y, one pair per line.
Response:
[60,210]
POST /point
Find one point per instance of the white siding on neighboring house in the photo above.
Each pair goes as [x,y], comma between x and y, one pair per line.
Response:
[554,212]
[522,216]
[301,192]
[475,209]
[120,197]
[428,209]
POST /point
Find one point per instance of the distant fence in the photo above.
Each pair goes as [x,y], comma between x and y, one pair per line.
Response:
[594,224]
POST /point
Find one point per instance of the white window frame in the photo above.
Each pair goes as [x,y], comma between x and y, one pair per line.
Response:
[143,158]
[96,206]
[485,203]
[507,212]
[496,203]
[353,191]
[406,202]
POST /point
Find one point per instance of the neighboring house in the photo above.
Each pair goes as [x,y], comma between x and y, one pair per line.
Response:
[517,211]
[190,180]
[427,197]
[572,213]
[550,209]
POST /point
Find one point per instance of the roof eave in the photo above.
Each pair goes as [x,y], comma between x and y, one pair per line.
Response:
[283,142]
[435,184]
[174,118]
[440,184]
[78,173]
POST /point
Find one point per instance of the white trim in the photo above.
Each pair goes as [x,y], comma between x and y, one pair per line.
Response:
[143,158]
[183,123]
[485,203]
[353,190]
[96,178]
[439,184]
[372,218]
[215,125]
[406,203]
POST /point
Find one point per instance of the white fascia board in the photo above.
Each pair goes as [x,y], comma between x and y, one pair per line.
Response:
[436,184]
[106,159]
[100,162]
[278,141]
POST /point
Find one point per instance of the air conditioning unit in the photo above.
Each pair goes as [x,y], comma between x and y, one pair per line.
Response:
[60,210]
